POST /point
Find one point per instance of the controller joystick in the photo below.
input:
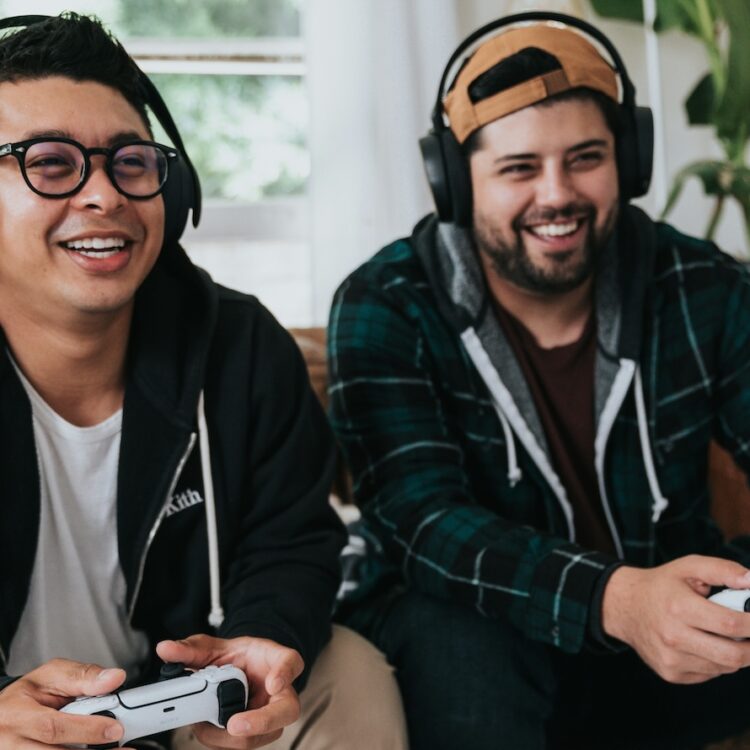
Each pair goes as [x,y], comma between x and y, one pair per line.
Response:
[170,670]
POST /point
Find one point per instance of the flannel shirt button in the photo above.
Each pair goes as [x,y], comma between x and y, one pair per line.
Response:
[555,631]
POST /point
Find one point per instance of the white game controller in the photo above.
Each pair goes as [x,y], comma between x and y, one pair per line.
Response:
[211,694]
[736,599]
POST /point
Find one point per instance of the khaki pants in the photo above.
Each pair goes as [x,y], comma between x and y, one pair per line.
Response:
[351,700]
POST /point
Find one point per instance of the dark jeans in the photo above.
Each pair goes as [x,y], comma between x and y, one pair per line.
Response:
[475,683]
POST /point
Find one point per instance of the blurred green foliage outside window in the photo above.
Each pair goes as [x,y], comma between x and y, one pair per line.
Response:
[246,134]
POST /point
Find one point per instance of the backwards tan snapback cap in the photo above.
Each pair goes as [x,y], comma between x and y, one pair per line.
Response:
[580,65]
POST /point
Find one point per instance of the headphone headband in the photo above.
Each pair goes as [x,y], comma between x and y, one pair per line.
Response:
[447,168]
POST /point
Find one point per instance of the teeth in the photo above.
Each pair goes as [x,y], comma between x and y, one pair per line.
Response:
[555,230]
[96,243]
[98,253]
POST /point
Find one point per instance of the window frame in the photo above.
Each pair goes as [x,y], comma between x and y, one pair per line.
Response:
[282,218]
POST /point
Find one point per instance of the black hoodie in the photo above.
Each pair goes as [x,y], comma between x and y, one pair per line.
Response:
[271,464]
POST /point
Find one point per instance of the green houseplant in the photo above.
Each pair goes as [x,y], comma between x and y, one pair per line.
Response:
[720,99]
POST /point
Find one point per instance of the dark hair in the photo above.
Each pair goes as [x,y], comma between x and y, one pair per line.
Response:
[76,47]
[526,64]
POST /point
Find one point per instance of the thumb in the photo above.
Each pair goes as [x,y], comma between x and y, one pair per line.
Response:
[196,651]
[73,679]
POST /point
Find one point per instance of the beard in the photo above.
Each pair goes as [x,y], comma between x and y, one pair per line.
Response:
[511,260]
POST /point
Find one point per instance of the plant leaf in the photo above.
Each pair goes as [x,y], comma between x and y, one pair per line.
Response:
[676,14]
[740,186]
[733,111]
[715,176]
[701,102]
[740,191]
[625,10]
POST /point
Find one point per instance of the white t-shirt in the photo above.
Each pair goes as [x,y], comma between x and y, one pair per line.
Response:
[76,606]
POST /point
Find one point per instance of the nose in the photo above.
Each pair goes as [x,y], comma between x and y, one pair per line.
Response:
[98,193]
[555,187]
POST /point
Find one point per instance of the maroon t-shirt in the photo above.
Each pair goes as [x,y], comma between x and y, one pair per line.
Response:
[561,381]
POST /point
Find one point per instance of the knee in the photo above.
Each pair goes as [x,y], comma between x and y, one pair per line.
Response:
[465,675]
[464,645]
[352,692]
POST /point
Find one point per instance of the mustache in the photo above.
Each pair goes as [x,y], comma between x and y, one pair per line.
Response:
[576,210]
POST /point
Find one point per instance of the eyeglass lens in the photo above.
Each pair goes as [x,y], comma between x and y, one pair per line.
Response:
[55,168]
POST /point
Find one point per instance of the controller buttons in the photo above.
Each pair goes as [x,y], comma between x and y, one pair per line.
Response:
[231,695]
[171,670]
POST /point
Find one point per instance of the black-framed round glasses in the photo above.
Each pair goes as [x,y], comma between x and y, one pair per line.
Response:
[59,167]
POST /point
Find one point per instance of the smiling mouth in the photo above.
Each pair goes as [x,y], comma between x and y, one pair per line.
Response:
[97,247]
[554,231]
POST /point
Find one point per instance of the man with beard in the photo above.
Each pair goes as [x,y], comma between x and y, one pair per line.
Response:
[525,390]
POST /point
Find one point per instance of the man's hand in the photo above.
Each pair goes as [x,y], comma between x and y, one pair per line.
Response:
[270,668]
[29,715]
[664,615]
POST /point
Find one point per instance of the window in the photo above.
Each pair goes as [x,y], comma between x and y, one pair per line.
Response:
[233,75]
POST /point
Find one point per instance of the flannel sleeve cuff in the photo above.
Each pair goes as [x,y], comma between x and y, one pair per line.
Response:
[6,680]
[599,641]
[562,592]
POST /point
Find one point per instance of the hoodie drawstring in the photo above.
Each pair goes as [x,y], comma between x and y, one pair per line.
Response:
[660,502]
[514,470]
[216,617]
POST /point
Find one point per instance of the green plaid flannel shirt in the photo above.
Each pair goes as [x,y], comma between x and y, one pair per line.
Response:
[427,451]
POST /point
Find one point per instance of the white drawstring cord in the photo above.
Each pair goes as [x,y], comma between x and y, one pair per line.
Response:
[514,471]
[216,617]
[660,502]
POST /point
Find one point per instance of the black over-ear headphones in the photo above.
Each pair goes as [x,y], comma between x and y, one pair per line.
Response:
[448,170]
[182,191]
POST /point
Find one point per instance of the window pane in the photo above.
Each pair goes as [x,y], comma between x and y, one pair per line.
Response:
[246,135]
[208,18]
[179,18]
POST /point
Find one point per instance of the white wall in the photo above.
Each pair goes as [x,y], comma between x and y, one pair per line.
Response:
[374,67]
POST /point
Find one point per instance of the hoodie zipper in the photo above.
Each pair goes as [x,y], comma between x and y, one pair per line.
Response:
[157,523]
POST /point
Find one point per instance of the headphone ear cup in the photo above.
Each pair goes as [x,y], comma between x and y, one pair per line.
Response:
[644,127]
[459,178]
[635,151]
[179,197]
[448,176]
[437,174]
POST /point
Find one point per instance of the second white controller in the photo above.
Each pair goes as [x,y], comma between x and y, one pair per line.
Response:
[736,599]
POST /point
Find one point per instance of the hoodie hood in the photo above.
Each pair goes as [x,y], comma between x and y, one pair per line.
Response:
[174,319]
[449,257]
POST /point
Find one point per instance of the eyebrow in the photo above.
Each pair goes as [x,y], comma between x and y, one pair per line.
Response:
[125,135]
[591,143]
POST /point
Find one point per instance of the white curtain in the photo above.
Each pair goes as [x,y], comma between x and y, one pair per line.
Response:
[374,67]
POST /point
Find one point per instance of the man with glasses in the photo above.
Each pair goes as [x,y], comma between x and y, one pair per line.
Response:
[164,464]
